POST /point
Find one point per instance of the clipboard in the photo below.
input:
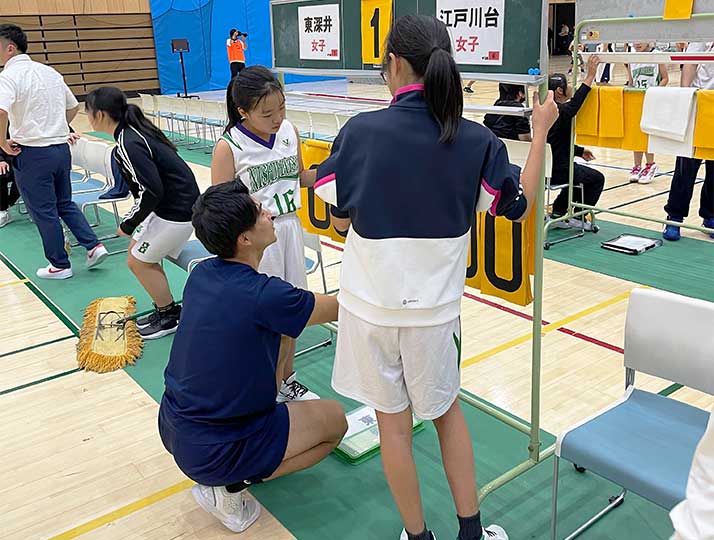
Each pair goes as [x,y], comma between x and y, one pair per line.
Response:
[631,244]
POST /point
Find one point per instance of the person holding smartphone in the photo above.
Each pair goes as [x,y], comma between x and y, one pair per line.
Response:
[236,46]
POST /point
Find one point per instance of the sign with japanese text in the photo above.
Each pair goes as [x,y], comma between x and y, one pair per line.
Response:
[319,28]
[476,29]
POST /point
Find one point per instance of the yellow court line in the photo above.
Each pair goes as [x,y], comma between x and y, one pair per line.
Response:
[546,329]
[124,511]
[13,282]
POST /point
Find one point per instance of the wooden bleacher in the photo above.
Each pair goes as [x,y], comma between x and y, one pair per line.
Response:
[95,50]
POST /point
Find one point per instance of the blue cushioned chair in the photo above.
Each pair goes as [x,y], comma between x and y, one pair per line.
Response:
[645,442]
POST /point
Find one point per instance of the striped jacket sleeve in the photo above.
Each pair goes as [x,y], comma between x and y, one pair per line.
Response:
[501,193]
[137,158]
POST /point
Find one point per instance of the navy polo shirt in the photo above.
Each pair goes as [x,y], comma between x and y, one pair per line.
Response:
[220,379]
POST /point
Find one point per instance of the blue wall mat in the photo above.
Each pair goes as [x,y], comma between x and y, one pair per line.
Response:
[205,23]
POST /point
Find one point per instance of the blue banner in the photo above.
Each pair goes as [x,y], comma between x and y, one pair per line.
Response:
[206,25]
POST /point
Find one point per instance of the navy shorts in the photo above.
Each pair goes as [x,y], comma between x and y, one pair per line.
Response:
[219,464]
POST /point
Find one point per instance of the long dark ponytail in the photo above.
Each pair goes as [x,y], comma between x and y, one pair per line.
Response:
[424,42]
[247,89]
[112,101]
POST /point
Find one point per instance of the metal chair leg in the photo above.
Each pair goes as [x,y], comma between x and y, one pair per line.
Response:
[554,508]
[615,501]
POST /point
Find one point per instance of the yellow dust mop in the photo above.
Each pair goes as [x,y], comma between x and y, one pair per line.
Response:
[109,339]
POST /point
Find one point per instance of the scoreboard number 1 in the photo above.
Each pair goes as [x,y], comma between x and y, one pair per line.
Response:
[376,19]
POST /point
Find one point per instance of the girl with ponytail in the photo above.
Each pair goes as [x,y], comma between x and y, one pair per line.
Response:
[164,189]
[262,149]
[406,182]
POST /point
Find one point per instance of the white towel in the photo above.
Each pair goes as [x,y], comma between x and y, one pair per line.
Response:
[670,147]
[667,112]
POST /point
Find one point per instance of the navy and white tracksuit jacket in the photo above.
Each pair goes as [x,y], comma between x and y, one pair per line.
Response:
[411,201]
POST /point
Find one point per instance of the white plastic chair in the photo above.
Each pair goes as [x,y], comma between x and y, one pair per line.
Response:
[86,182]
[302,120]
[645,442]
[148,106]
[324,125]
[216,117]
[98,161]
[195,114]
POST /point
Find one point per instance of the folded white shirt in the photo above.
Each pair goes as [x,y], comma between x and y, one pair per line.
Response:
[667,146]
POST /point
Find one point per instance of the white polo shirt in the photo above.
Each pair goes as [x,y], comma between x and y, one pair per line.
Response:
[704,78]
[36,99]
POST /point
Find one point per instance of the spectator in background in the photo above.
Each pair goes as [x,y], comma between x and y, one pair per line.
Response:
[643,76]
[685,172]
[564,38]
[39,106]
[236,46]
[504,126]
[592,180]
[604,71]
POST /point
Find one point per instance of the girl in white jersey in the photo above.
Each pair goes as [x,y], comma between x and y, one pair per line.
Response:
[262,149]
[645,76]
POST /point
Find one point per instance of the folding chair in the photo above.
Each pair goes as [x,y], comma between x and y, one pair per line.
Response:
[557,188]
[82,180]
[645,442]
[148,106]
[174,110]
[195,114]
[216,118]
[98,161]
[324,125]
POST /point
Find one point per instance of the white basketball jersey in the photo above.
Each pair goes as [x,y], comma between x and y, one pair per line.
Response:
[268,168]
[645,75]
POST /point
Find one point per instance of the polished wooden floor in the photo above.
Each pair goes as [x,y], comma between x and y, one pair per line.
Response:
[81,454]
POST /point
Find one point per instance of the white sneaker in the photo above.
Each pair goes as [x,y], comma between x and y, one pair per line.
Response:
[635,173]
[557,224]
[50,272]
[5,218]
[648,173]
[494,532]
[96,255]
[405,537]
[292,390]
[235,510]
[575,223]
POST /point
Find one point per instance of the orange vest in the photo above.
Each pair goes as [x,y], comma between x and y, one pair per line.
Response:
[236,51]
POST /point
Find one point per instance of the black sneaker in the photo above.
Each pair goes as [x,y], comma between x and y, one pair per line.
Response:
[164,324]
[147,320]
[468,90]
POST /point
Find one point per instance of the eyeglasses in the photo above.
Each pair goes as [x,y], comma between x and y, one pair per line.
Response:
[384,77]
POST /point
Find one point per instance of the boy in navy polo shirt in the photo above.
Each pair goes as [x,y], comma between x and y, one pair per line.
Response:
[218,415]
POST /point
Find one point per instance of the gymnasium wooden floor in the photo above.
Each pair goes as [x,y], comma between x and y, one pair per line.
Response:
[81,453]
